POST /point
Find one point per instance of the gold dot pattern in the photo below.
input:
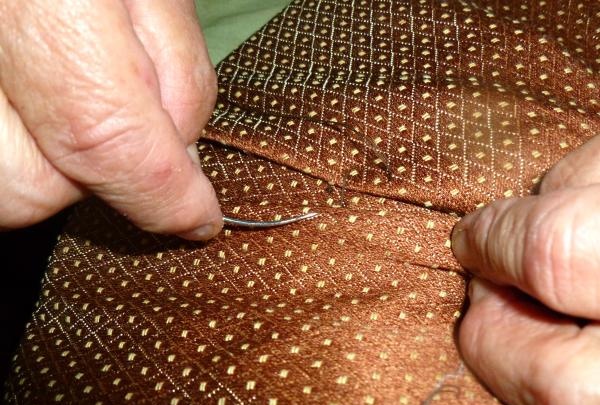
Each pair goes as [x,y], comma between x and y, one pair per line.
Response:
[445,104]
[386,118]
[313,312]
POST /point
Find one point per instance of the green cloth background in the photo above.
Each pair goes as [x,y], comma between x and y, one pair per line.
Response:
[227,23]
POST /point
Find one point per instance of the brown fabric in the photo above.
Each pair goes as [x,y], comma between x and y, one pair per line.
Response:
[388,118]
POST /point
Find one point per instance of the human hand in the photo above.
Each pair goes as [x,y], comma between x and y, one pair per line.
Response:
[531,332]
[103,97]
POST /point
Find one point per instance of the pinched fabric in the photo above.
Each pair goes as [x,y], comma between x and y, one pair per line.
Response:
[388,118]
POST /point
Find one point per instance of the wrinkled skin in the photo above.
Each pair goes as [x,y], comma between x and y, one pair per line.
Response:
[531,332]
[104,97]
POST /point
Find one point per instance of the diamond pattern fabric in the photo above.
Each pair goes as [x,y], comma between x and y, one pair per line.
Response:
[388,118]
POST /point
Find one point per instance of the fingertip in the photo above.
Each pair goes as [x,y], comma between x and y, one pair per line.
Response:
[486,241]
[479,289]
[204,232]
[163,189]
[459,242]
[210,209]
[205,217]
[460,239]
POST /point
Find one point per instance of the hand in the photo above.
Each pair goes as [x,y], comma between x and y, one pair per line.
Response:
[104,97]
[531,332]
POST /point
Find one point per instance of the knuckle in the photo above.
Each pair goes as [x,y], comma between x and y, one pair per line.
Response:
[107,145]
[101,128]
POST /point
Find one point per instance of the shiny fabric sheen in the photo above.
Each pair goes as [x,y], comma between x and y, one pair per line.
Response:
[388,118]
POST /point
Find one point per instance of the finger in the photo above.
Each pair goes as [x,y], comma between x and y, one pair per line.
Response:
[544,245]
[579,168]
[90,98]
[171,35]
[526,354]
[32,189]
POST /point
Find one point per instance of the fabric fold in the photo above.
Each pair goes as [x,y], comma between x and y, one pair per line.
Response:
[388,118]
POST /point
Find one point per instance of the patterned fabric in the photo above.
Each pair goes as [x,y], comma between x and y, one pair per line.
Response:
[388,118]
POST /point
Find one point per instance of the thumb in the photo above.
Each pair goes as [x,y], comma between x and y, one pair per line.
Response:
[544,245]
[98,117]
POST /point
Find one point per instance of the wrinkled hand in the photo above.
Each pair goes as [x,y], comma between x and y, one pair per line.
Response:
[103,97]
[531,332]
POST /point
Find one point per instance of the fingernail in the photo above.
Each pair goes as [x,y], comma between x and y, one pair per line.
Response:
[203,232]
[192,150]
[478,289]
[460,240]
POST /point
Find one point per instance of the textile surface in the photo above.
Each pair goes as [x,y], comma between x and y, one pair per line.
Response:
[388,118]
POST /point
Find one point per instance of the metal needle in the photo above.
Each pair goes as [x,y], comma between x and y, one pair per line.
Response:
[244,223]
